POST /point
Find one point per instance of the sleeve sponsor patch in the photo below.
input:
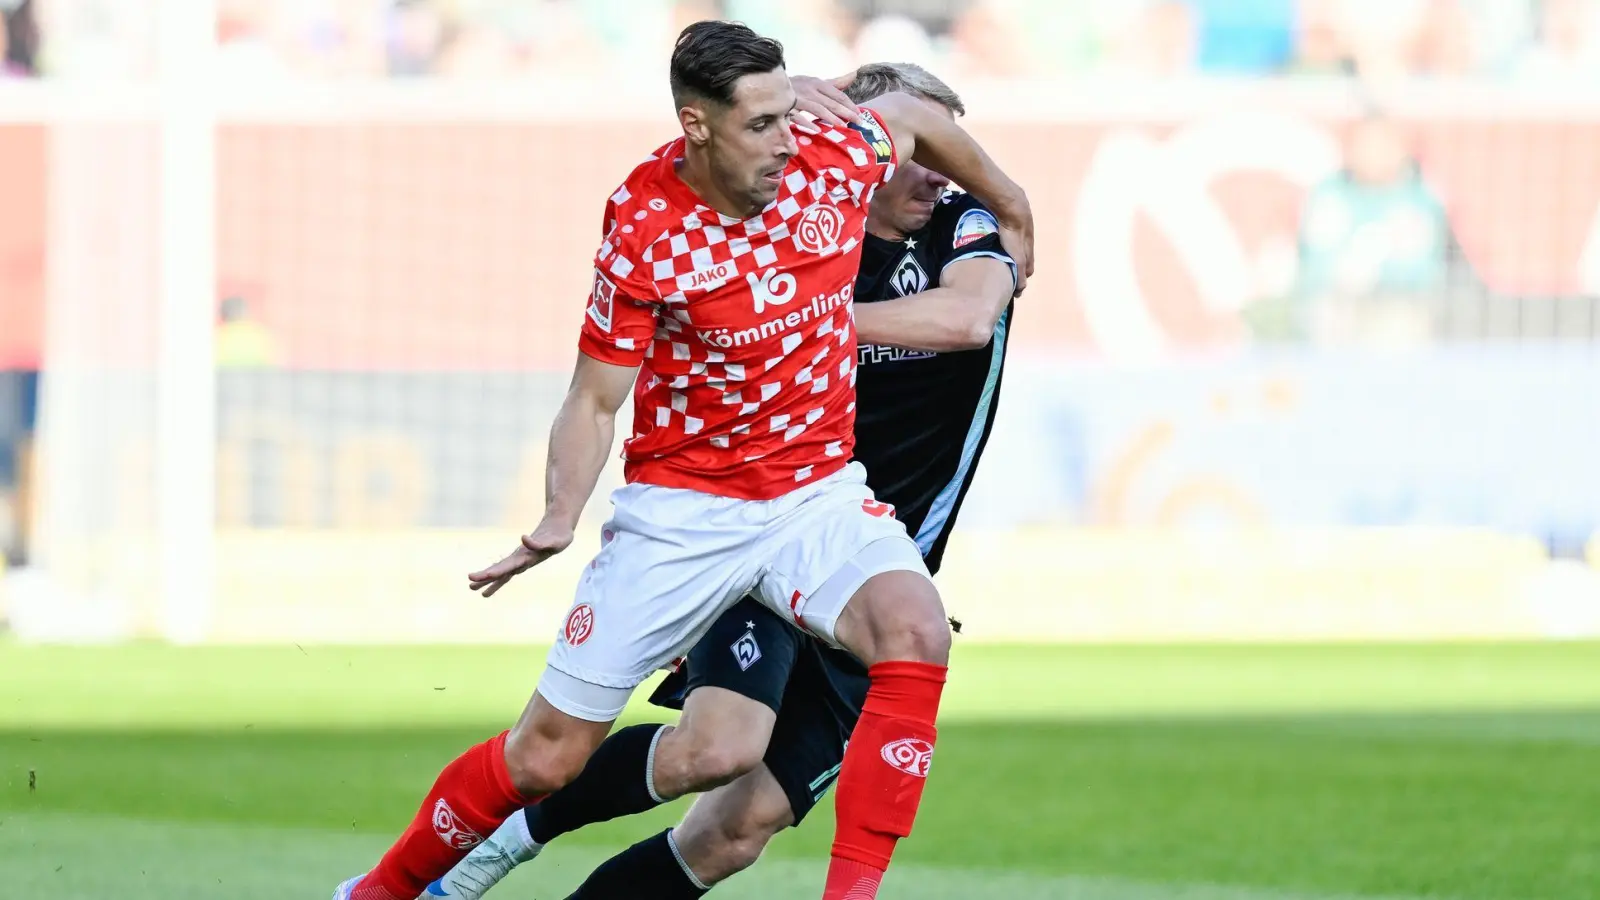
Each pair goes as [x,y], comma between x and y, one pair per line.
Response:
[877,137]
[601,298]
[973,225]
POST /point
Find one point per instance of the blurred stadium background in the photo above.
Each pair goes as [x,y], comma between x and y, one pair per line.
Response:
[289,290]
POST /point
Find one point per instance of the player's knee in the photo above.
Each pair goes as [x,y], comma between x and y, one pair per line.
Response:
[897,616]
[719,760]
[736,852]
[923,638]
[542,763]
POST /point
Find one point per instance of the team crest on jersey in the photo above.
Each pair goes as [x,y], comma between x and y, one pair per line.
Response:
[877,137]
[820,228]
[601,297]
[908,277]
[974,224]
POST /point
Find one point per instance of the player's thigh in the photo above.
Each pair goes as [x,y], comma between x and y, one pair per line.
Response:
[830,549]
[670,563]
[737,674]
[725,831]
[819,713]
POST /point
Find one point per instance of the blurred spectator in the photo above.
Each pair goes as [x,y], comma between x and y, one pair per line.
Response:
[19,39]
[1386,40]
[1567,43]
[1165,40]
[242,342]
[1373,243]
[897,37]
[1378,40]
[96,39]
[416,36]
[1244,36]
[819,36]
[248,44]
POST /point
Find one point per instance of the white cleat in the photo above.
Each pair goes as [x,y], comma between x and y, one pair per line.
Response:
[489,862]
[346,888]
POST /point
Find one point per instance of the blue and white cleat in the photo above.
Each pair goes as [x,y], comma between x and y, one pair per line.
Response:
[347,887]
[490,861]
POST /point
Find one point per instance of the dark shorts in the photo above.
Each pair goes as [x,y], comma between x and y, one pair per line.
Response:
[816,691]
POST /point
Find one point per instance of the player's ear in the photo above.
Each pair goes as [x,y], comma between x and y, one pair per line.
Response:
[696,122]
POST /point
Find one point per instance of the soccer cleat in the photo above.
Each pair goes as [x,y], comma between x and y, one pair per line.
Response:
[346,888]
[488,862]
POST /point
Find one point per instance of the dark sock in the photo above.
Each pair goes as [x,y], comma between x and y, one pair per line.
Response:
[615,783]
[649,870]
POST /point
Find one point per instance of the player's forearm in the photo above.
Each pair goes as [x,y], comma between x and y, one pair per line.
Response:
[580,442]
[939,320]
[938,143]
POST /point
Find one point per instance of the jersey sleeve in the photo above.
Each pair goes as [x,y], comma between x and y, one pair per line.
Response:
[964,229]
[621,317]
[872,151]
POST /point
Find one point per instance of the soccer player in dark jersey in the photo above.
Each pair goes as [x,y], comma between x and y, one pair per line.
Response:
[769,708]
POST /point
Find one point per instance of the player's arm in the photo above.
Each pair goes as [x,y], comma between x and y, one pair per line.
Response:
[581,437]
[937,142]
[580,441]
[616,330]
[959,314]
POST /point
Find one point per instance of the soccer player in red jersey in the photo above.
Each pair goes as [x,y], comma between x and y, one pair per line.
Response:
[727,276]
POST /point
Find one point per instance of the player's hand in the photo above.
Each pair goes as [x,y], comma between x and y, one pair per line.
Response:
[825,99]
[1016,236]
[537,546]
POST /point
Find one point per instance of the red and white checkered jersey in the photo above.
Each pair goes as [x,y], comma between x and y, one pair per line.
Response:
[743,328]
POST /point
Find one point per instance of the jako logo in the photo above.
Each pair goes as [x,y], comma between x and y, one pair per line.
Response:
[770,288]
[909,755]
[450,829]
[580,624]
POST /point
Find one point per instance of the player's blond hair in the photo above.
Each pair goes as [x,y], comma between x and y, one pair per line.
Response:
[877,79]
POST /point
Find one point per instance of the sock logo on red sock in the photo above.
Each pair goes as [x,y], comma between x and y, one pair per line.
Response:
[450,829]
[910,755]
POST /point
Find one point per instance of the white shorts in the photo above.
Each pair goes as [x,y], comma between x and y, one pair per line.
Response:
[672,560]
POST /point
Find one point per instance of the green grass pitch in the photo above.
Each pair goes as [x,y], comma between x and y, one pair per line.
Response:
[1080,773]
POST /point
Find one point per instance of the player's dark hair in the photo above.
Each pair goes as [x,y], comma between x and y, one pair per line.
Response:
[712,56]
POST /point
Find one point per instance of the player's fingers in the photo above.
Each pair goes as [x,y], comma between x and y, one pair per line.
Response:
[845,80]
[818,111]
[839,103]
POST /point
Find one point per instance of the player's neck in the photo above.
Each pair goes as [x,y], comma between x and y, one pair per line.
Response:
[882,230]
[695,171]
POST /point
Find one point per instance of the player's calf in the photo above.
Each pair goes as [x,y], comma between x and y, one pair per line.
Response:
[726,831]
[896,623]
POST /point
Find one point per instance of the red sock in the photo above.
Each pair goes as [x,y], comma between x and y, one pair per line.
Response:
[885,768]
[473,795]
